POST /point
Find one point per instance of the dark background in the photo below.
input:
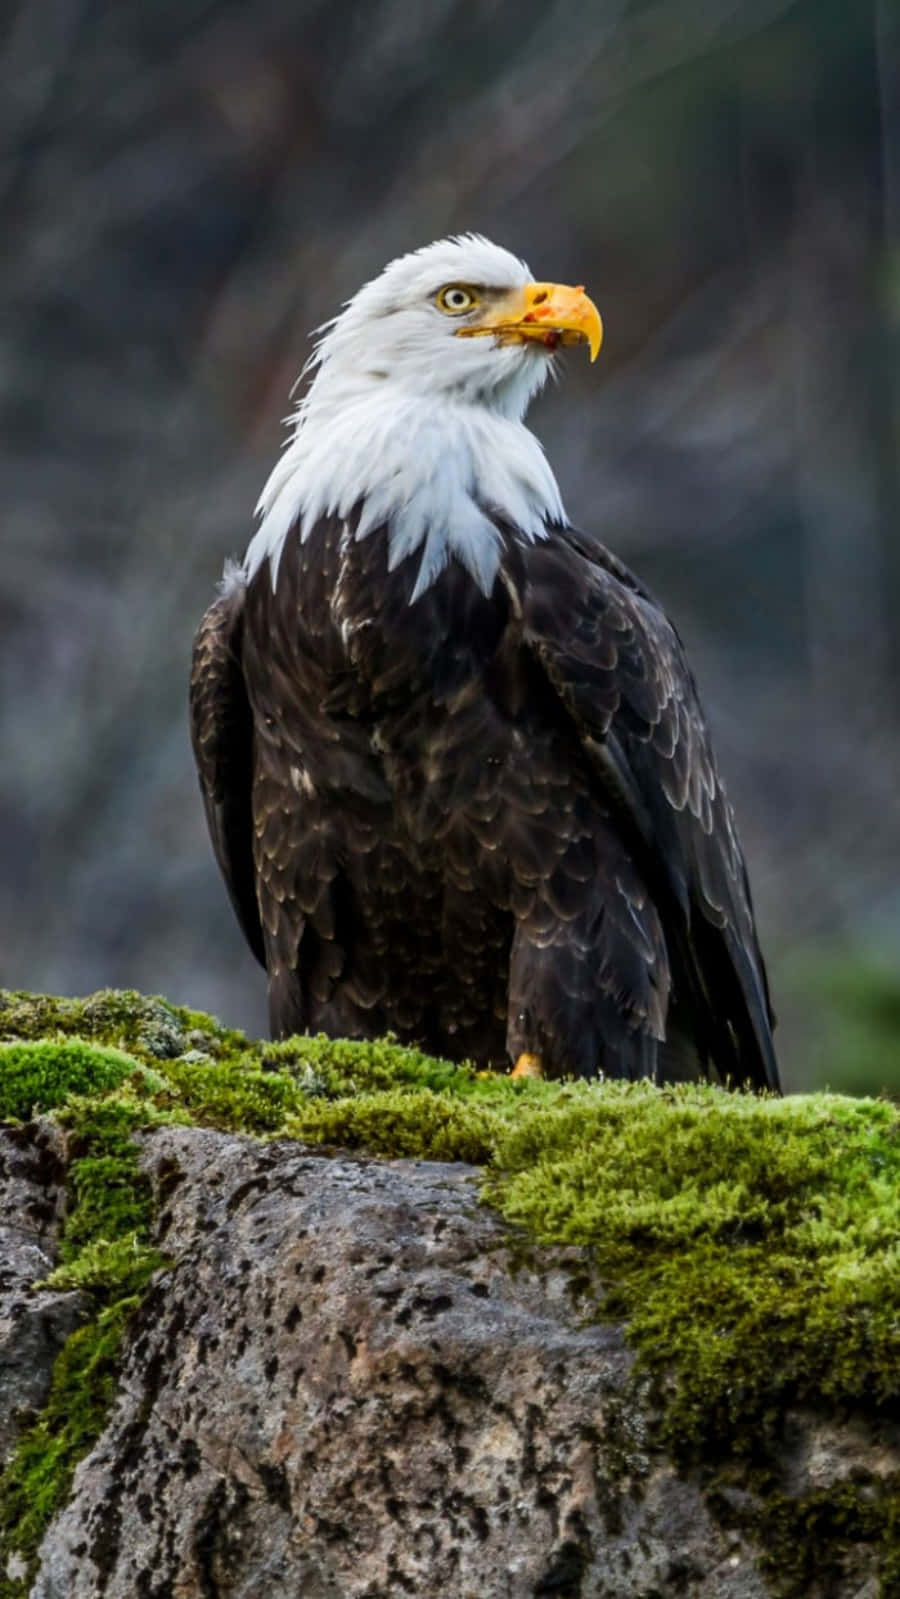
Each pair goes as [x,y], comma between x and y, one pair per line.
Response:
[188,189]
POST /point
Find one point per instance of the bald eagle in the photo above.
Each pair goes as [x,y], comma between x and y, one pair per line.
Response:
[455,769]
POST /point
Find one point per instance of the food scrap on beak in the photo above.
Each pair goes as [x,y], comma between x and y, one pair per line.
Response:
[543,313]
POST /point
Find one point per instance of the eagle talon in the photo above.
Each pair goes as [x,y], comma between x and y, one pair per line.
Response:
[528,1066]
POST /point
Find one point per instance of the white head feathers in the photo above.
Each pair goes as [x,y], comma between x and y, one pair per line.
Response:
[418,428]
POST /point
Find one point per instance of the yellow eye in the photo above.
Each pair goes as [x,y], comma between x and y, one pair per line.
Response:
[455,299]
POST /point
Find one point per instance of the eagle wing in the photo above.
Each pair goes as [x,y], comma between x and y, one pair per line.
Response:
[222,739]
[618,666]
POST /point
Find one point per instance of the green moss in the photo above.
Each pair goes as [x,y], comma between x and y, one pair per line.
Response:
[35,1483]
[285,1088]
[338,1067]
[422,1125]
[751,1246]
[808,1539]
[39,1076]
[110,1198]
[236,1096]
[122,1266]
[147,1027]
[105,1252]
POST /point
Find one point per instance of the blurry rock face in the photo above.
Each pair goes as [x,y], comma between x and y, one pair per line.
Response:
[356,1383]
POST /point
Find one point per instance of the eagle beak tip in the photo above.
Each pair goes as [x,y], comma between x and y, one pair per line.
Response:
[594,330]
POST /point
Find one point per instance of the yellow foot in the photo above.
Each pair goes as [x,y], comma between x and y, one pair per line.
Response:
[528,1066]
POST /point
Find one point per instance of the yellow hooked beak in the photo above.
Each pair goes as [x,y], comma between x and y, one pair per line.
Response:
[544,313]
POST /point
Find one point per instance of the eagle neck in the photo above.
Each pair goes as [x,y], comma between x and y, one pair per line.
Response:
[440,475]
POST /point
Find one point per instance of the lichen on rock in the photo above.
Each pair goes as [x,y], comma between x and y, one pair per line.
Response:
[738,1255]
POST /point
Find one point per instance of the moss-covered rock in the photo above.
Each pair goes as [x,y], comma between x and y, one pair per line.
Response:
[751,1245]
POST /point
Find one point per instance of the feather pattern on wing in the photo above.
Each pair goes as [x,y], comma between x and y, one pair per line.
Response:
[222,739]
[619,669]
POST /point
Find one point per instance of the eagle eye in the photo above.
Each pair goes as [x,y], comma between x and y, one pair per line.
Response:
[456,298]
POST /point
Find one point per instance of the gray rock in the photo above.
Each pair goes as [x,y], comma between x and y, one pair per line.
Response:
[821,1452]
[358,1383]
[34,1323]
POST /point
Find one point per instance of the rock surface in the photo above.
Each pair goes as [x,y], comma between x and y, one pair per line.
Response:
[34,1323]
[358,1383]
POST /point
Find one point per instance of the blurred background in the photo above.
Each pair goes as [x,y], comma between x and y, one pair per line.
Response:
[187,189]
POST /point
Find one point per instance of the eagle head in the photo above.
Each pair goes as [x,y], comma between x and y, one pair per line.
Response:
[412,419]
[461,318]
